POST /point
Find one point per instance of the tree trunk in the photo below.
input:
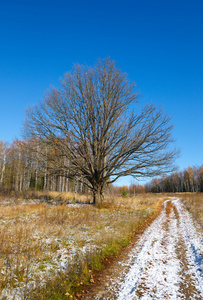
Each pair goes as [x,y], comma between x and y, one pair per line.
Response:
[3,167]
[98,196]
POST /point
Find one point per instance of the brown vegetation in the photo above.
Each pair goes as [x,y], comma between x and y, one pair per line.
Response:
[63,243]
[194,203]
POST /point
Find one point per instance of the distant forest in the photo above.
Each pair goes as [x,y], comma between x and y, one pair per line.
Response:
[32,165]
[188,180]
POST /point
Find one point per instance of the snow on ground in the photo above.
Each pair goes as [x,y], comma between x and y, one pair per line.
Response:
[58,254]
[165,263]
[38,241]
[168,261]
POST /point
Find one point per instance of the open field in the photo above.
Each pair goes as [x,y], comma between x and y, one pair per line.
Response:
[54,247]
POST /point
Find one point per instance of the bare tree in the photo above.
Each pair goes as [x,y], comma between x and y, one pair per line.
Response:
[91,121]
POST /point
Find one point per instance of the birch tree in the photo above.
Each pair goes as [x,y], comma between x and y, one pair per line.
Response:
[3,154]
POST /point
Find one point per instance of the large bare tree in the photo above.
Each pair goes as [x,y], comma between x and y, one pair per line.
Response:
[92,121]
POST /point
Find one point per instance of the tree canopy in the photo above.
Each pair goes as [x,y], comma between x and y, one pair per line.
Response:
[91,120]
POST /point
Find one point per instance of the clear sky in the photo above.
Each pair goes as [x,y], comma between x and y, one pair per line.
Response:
[159,43]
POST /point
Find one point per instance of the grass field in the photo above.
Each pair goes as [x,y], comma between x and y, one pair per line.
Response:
[53,248]
[194,203]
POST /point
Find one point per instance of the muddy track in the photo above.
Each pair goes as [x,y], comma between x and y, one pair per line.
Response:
[166,262]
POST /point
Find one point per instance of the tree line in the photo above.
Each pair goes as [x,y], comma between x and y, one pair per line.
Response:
[188,180]
[31,164]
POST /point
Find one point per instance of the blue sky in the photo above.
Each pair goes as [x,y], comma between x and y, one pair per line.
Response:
[158,43]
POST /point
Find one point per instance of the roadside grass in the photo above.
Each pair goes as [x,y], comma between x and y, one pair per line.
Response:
[50,251]
[194,203]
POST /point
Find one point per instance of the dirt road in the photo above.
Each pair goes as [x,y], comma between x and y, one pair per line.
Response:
[166,261]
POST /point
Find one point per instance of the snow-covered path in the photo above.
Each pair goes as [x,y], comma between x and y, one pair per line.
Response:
[169,265]
[165,263]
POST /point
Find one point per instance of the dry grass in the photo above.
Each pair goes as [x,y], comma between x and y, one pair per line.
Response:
[47,196]
[194,203]
[143,201]
[39,241]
